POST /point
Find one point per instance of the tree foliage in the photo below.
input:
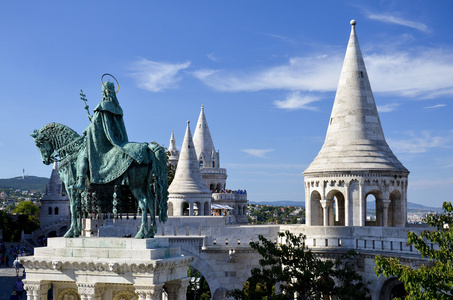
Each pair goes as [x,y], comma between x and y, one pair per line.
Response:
[298,273]
[434,279]
[198,290]
[26,208]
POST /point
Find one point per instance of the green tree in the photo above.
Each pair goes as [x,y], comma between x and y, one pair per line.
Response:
[6,225]
[197,290]
[434,279]
[299,273]
[26,208]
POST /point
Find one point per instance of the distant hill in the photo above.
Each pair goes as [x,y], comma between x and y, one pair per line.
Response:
[410,205]
[280,203]
[28,183]
[370,204]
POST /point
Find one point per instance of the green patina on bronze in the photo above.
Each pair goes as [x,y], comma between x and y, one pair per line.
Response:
[94,165]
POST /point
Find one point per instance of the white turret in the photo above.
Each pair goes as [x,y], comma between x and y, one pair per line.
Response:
[208,158]
[174,153]
[54,204]
[188,192]
[355,160]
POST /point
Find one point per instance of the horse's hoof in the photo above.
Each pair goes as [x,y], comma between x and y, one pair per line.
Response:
[139,235]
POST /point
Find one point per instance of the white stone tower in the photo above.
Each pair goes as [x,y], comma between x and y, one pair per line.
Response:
[208,158]
[174,153]
[355,161]
[54,215]
[188,188]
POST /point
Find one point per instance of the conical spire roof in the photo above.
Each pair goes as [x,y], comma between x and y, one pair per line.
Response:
[202,139]
[54,187]
[172,148]
[355,140]
[188,175]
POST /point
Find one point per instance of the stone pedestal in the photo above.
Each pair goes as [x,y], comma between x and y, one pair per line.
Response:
[106,268]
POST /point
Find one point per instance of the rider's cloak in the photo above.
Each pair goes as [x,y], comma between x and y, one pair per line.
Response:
[108,149]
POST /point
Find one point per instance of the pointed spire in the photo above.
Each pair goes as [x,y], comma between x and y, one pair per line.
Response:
[355,140]
[188,175]
[204,145]
[54,187]
[174,153]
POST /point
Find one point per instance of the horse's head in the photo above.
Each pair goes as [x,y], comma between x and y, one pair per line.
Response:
[44,145]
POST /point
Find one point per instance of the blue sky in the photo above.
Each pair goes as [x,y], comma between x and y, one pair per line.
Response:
[266,72]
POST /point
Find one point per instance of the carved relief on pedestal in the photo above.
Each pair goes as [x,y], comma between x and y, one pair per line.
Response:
[69,294]
[125,295]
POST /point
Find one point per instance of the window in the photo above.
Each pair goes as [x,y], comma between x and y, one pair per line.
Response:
[201,164]
[56,210]
[50,210]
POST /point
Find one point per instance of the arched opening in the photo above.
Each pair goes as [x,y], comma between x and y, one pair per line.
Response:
[219,187]
[52,234]
[316,209]
[62,230]
[244,210]
[213,164]
[374,212]
[201,164]
[185,208]
[392,288]
[50,211]
[338,208]
[197,209]
[212,188]
[198,286]
[170,209]
[56,210]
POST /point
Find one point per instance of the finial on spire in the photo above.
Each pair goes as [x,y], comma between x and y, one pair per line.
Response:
[188,122]
[353,22]
[202,107]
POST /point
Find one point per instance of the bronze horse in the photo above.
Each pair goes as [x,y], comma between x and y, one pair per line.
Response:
[59,142]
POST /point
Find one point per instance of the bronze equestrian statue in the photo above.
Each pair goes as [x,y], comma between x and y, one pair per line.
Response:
[103,158]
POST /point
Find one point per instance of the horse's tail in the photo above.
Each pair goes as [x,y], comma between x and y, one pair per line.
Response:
[159,170]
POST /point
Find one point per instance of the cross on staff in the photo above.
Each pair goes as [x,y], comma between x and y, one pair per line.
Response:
[84,99]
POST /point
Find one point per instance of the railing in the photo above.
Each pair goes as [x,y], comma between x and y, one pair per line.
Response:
[216,171]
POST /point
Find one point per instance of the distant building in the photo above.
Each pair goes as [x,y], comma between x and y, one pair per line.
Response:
[54,214]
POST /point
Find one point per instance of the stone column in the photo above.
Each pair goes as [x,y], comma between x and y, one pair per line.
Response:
[36,290]
[307,204]
[149,292]
[326,207]
[362,204]
[190,209]
[90,291]
[177,289]
[347,207]
[384,207]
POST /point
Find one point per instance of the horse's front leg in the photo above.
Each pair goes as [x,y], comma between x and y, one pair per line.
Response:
[73,230]
[138,194]
[152,213]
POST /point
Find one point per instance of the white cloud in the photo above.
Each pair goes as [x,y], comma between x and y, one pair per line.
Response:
[420,142]
[211,57]
[261,153]
[282,38]
[387,107]
[156,76]
[319,73]
[422,73]
[398,21]
[435,106]
[425,73]
[297,101]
